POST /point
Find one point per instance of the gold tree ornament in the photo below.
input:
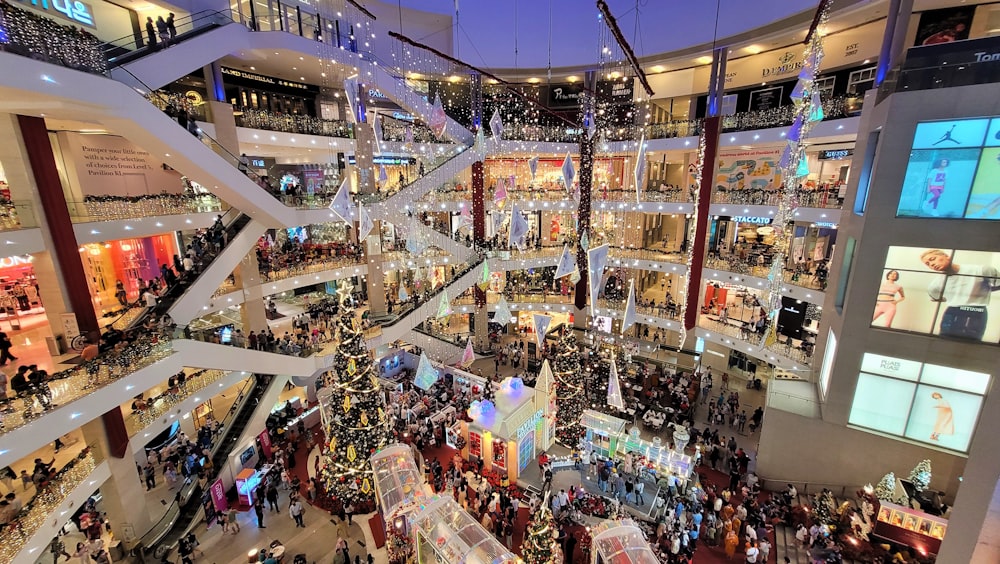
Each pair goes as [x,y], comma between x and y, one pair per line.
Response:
[347,403]
[352,367]
[366,486]
[352,453]
[364,418]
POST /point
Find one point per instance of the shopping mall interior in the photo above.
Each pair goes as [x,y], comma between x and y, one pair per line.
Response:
[487,282]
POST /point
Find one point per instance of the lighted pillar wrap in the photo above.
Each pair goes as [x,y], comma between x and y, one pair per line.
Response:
[479,220]
[712,126]
[53,200]
[586,176]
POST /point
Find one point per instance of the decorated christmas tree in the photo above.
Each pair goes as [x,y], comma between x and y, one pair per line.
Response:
[920,476]
[825,508]
[353,410]
[570,395]
[539,545]
[886,488]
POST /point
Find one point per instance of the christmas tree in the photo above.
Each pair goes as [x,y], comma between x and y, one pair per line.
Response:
[886,487]
[570,395]
[824,509]
[539,545]
[920,476]
[353,410]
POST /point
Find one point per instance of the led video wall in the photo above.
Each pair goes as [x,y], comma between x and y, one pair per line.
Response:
[937,405]
[944,292]
[953,171]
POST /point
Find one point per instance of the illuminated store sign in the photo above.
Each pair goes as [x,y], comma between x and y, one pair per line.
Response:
[835,155]
[529,425]
[77,12]
[17,260]
[752,219]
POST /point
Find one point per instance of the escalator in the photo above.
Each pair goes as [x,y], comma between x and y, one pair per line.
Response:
[189,511]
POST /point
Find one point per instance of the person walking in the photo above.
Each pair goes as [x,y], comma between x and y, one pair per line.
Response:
[161,31]
[58,548]
[5,346]
[258,508]
[639,486]
[296,510]
[171,29]
[150,33]
[231,520]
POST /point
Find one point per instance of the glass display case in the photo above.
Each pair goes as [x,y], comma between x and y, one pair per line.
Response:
[603,431]
[399,483]
[620,542]
[447,534]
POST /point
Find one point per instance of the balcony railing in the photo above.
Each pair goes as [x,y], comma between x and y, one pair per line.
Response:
[161,405]
[31,35]
[827,198]
[736,329]
[793,274]
[288,123]
[70,385]
[51,493]
[109,208]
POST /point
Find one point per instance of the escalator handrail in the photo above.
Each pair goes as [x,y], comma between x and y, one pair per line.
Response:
[129,42]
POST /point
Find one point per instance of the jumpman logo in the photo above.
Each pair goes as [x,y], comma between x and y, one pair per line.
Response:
[947,137]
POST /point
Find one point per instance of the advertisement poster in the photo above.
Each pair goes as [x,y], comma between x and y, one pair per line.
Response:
[942,292]
[937,405]
[953,171]
[265,443]
[500,454]
[944,25]
[313,180]
[218,492]
[475,444]
[748,169]
[765,99]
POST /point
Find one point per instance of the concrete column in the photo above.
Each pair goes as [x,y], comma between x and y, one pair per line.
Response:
[124,493]
[221,114]
[375,281]
[364,152]
[252,309]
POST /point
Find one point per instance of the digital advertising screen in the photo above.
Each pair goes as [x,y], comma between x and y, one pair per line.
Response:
[932,404]
[944,292]
[953,171]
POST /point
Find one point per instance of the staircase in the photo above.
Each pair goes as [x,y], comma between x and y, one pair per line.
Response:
[785,543]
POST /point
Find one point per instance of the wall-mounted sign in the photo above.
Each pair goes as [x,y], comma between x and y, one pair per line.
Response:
[835,155]
[380,160]
[752,219]
[16,260]
[786,64]
[77,12]
[376,93]
[254,79]
[765,99]
[565,95]
[402,116]
[825,225]
[529,425]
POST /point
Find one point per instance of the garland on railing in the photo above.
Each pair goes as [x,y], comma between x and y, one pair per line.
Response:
[30,34]
[793,165]
[148,205]
[51,493]
[289,123]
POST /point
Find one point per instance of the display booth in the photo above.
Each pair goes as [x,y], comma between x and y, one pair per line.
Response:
[620,542]
[914,528]
[605,433]
[658,459]
[401,491]
[247,482]
[510,431]
[446,533]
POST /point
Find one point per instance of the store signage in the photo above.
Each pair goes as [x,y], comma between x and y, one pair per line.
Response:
[77,12]
[376,93]
[17,260]
[257,163]
[529,425]
[751,219]
[835,155]
[386,160]
[219,496]
[786,64]
[403,116]
[825,224]
[890,366]
[565,95]
[259,78]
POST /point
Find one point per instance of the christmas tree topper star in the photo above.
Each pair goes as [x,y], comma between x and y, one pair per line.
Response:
[344,291]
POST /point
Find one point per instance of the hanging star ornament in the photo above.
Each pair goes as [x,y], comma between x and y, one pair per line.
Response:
[344,291]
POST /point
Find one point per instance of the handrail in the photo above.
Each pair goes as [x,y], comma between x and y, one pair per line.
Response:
[123,50]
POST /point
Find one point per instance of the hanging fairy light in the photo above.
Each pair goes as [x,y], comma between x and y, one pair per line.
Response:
[692,232]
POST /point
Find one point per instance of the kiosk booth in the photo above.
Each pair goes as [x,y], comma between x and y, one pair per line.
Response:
[509,432]
[658,459]
[605,433]
[400,490]
[247,482]
[620,542]
[914,528]
[446,534]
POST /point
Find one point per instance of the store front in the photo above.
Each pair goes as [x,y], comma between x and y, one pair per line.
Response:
[109,21]
[245,89]
[609,175]
[129,261]
[19,295]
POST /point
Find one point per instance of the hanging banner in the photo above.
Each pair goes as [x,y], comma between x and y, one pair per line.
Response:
[629,319]
[503,316]
[496,126]
[438,119]
[568,172]
[444,306]
[500,193]
[541,327]
[597,259]
[518,229]
[484,280]
[365,223]
[426,374]
[533,166]
[469,356]
[341,204]
[614,387]
[567,263]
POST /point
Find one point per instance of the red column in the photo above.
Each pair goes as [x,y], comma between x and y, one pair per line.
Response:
[479,218]
[586,176]
[712,128]
[50,192]
[66,251]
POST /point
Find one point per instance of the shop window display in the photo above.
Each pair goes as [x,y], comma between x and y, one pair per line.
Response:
[944,292]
